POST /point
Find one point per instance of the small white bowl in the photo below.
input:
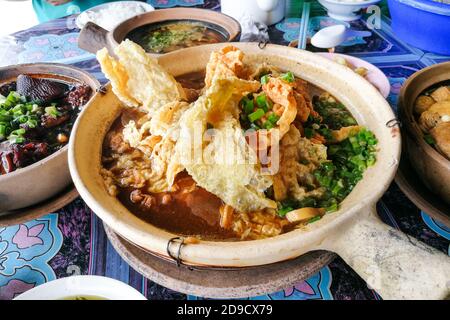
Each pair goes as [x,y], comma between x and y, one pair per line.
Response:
[375,76]
[346,10]
[82,286]
[110,8]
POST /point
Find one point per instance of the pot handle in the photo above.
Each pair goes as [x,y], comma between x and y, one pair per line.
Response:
[92,38]
[392,263]
[267,5]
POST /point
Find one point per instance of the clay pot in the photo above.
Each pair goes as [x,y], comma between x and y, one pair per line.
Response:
[433,168]
[46,178]
[392,263]
[93,37]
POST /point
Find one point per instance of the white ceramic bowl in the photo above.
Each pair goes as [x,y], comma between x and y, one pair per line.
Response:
[75,286]
[346,10]
[94,13]
[375,76]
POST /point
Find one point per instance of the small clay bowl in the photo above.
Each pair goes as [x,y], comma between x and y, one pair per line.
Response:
[46,178]
[93,37]
[432,167]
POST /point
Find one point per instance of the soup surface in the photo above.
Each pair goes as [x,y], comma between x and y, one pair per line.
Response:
[171,36]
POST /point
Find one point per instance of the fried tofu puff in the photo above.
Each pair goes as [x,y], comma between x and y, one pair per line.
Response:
[224,63]
[436,114]
[441,94]
[282,93]
[423,103]
[441,135]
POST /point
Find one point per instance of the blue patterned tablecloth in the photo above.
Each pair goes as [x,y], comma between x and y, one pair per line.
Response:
[72,240]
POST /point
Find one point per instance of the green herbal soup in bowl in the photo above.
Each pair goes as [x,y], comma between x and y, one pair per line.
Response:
[173,35]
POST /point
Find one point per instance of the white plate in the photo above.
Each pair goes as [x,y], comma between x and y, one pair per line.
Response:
[346,10]
[75,286]
[375,76]
[111,9]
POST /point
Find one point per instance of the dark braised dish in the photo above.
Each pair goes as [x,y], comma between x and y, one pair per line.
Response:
[36,117]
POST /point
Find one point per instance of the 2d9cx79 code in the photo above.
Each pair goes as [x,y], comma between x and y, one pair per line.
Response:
[250,309]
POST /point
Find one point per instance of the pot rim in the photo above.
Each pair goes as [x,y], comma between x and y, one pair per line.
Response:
[407,114]
[227,253]
[114,39]
[63,150]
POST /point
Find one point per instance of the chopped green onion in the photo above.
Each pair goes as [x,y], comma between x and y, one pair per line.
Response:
[16,139]
[265,79]
[2,131]
[52,111]
[429,139]
[288,77]
[332,208]
[263,102]
[5,118]
[283,211]
[268,125]
[307,202]
[258,114]
[247,105]
[18,132]
[317,218]
[309,133]
[273,118]
[328,166]
[35,108]
[32,123]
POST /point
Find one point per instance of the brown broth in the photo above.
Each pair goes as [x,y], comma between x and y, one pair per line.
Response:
[192,213]
[193,80]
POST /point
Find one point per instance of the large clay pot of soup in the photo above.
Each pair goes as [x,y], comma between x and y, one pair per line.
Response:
[163,31]
[424,105]
[38,106]
[326,150]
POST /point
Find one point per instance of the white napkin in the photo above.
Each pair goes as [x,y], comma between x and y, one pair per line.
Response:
[253,31]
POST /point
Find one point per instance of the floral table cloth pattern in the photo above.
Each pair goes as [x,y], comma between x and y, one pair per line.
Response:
[72,241]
